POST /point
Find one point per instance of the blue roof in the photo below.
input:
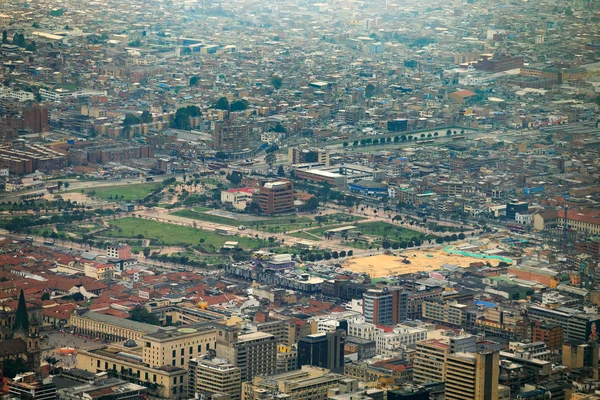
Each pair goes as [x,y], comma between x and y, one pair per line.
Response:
[485,304]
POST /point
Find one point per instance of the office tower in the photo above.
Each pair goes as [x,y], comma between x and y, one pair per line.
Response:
[472,376]
[302,155]
[212,375]
[229,137]
[36,119]
[387,306]
[325,350]
[429,361]
[276,197]
[514,208]
[254,353]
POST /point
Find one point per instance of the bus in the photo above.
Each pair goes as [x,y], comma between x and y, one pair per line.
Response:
[29,238]
[48,242]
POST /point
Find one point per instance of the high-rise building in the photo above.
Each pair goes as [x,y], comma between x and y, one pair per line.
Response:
[276,197]
[325,350]
[254,353]
[212,375]
[36,119]
[387,306]
[229,137]
[472,376]
[468,375]
[429,361]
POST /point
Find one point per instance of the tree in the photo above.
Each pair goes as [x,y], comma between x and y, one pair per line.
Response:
[422,135]
[31,47]
[46,296]
[193,111]
[4,36]
[272,149]
[141,314]
[343,253]
[435,134]
[67,184]
[397,139]
[52,361]
[448,132]
[146,252]
[234,178]
[335,255]
[355,143]
[182,119]
[239,105]
[278,128]
[461,236]
[270,159]
[277,82]
[345,144]
[350,253]
[311,204]
[146,117]
[194,80]
[19,40]
[369,90]
[222,104]
[219,155]
[59,184]
[280,171]
[131,119]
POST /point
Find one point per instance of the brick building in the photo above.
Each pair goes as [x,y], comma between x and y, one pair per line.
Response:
[276,197]
[36,119]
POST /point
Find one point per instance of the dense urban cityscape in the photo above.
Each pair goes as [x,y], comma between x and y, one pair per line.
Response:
[300,200]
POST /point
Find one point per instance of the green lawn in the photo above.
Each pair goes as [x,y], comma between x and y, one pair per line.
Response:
[273,225]
[338,218]
[170,234]
[378,230]
[383,230]
[129,192]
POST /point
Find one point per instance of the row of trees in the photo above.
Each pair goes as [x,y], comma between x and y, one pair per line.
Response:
[326,255]
[224,104]
[401,138]
[182,117]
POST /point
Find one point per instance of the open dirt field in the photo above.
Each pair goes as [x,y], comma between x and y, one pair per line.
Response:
[383,265]
[73,196]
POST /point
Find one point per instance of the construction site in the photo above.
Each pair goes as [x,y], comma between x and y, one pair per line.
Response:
[411,261]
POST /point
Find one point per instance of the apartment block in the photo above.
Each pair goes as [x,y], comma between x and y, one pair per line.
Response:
[385,306]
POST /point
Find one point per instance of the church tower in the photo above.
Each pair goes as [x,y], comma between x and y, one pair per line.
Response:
[27,332]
